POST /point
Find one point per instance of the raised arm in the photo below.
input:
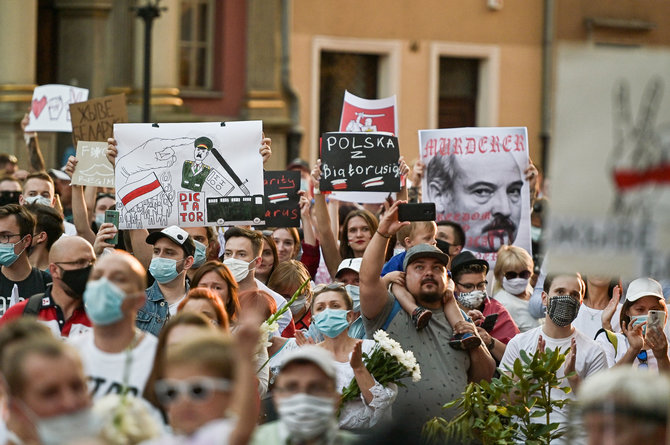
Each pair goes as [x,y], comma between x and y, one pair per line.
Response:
[245,392]
[404,170]
[80,215]
[373,290]
[331,254]
[34,152]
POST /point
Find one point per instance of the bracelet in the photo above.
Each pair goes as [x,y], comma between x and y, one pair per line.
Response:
[491,345]
[384,236]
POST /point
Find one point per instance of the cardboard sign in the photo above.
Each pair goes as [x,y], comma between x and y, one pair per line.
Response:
[475,177]
[368,115]
[94,119]
[50,109]
[93,167]
[282,202]
[189,174]
[359,162]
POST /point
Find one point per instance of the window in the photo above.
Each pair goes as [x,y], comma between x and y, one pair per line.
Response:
[458,89]
[195,44]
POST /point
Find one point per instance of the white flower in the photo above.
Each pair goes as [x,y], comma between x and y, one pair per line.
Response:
[125,420]
[266,330]
[416,374]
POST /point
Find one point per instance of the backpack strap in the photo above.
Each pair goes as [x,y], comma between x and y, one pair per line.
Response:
[33,305]
[611,337]
[394,310]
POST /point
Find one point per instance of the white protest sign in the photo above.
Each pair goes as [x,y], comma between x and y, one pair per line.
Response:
[189,174]
[93,167]
[610,163]
[475,177]
[50,108]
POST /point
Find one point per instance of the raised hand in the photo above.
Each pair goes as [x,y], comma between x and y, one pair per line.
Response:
[157,153]
[266,148]
[356,361]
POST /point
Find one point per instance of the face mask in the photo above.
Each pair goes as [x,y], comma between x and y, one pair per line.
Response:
[67,428]
[38,199]
[515,286]
[355,294]
[102,300]
[471,300]
[298,305]
[562,310]
[163,270]
[639,319]
[306,417]
[535,233]
[239,268]
[7,255]
[76,280]
[331,322]
[199,257]
[9,197]
[99,219]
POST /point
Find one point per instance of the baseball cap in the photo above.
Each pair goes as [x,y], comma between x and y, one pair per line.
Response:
[59,174]
[313,354]
[464,259]
[643,287]
[176,235]
[350,263]
[424,251]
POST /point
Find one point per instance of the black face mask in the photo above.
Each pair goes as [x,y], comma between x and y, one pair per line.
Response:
[9,198]
[76,280]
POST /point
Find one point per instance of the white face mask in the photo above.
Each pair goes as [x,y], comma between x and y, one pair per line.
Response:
[471,300]
[298,304]
[239,268]
[38,199]
[515,286]
[68,428]
[305,416]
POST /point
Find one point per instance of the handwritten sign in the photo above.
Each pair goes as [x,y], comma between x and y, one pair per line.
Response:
[49,110]
[282,207]
[359,162]
[93,167]
[368,115]
[94,119]
[475,178]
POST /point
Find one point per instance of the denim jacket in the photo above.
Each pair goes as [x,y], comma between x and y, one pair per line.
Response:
[155,312]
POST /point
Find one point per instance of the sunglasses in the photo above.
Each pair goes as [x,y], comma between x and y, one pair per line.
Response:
[524,275]
[642,357]
[197,388]
[326,287]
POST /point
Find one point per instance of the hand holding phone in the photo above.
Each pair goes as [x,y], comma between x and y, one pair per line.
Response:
[656,319]
[112,216]
[489,322]
[423,211]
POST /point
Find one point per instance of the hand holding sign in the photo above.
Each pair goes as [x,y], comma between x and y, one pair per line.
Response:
[158,153]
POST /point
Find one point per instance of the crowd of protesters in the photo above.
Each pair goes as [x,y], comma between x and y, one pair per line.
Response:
[160,336]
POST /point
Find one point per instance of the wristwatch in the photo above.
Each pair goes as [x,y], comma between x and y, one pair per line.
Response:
[491,345]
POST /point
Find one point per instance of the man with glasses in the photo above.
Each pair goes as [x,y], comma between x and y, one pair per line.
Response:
[306,400]
[18,279]
[60,306]
[469,275]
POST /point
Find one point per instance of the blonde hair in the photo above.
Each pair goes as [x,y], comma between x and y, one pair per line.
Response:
[210,350]
[413,228]
[510,257]
[290,274]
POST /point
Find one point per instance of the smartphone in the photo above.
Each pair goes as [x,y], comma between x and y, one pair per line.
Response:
[489,322]
[656,319]
[112,216]
[419,211]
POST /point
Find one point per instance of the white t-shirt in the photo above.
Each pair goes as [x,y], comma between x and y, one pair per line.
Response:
[518,309]
[590,359]
[172,309]
[588,320]
[105,371]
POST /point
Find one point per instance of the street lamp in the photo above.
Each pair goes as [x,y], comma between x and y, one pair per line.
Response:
[149,12]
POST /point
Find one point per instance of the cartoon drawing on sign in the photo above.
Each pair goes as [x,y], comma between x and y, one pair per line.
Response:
[55,108]
[38,106]
[195,173]
[366,126]
[640,159]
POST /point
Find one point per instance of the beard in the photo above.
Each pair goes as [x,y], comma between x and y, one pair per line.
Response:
[430,296]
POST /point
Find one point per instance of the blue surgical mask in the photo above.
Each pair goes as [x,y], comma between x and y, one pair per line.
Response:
[7,255]
[355,294]
[199,257]
[102,300]
[639,319]
[163,270]
[331,322]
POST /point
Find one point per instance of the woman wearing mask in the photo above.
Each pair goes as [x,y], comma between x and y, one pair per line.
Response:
[269,259]
[513,269]
[216,277]
[285,280]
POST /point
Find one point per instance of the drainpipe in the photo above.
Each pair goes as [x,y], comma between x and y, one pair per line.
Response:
[294,135]
[547,72]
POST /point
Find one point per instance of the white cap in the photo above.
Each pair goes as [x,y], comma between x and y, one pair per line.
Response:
[644,287]
[350,263]
[314,354]
[59,174]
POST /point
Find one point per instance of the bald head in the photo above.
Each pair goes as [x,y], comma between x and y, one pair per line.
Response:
[68,248]
[122,269]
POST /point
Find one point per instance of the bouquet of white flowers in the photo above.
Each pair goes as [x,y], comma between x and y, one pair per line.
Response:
[387,363]
[126,420]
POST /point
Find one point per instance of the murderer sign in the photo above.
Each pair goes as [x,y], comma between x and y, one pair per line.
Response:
[282,202]
[359,162]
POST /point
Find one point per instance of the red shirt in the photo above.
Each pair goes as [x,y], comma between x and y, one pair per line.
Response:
[505,328]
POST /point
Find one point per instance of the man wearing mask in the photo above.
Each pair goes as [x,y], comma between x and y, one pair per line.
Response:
[60,307]
[242,255]
[116,354]
[562,295]
[18,279]
[173,253]
[39,188]
[306,400]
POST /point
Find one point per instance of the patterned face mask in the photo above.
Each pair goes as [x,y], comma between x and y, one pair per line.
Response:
[562,310]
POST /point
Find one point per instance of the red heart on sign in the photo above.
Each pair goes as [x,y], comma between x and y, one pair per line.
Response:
[38,106]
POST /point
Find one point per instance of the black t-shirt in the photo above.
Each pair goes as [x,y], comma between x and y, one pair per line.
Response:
[35,283]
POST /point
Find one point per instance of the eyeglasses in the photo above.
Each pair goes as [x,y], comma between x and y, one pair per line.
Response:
[314,389]
[326,287]
[80,263]
[6,238]
[642,357]
[512,275]
[196,388]
[469,287]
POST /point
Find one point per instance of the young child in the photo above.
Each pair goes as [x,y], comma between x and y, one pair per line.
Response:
[423,232]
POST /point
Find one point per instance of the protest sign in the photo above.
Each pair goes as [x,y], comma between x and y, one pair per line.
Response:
[93,167]
[282,202]
[475,177]
[359,162]
[94,119]
[368,115]
[610,168]
[50,109]
[189,174]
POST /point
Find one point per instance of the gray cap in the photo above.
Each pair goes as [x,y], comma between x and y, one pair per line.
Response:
[424,251]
